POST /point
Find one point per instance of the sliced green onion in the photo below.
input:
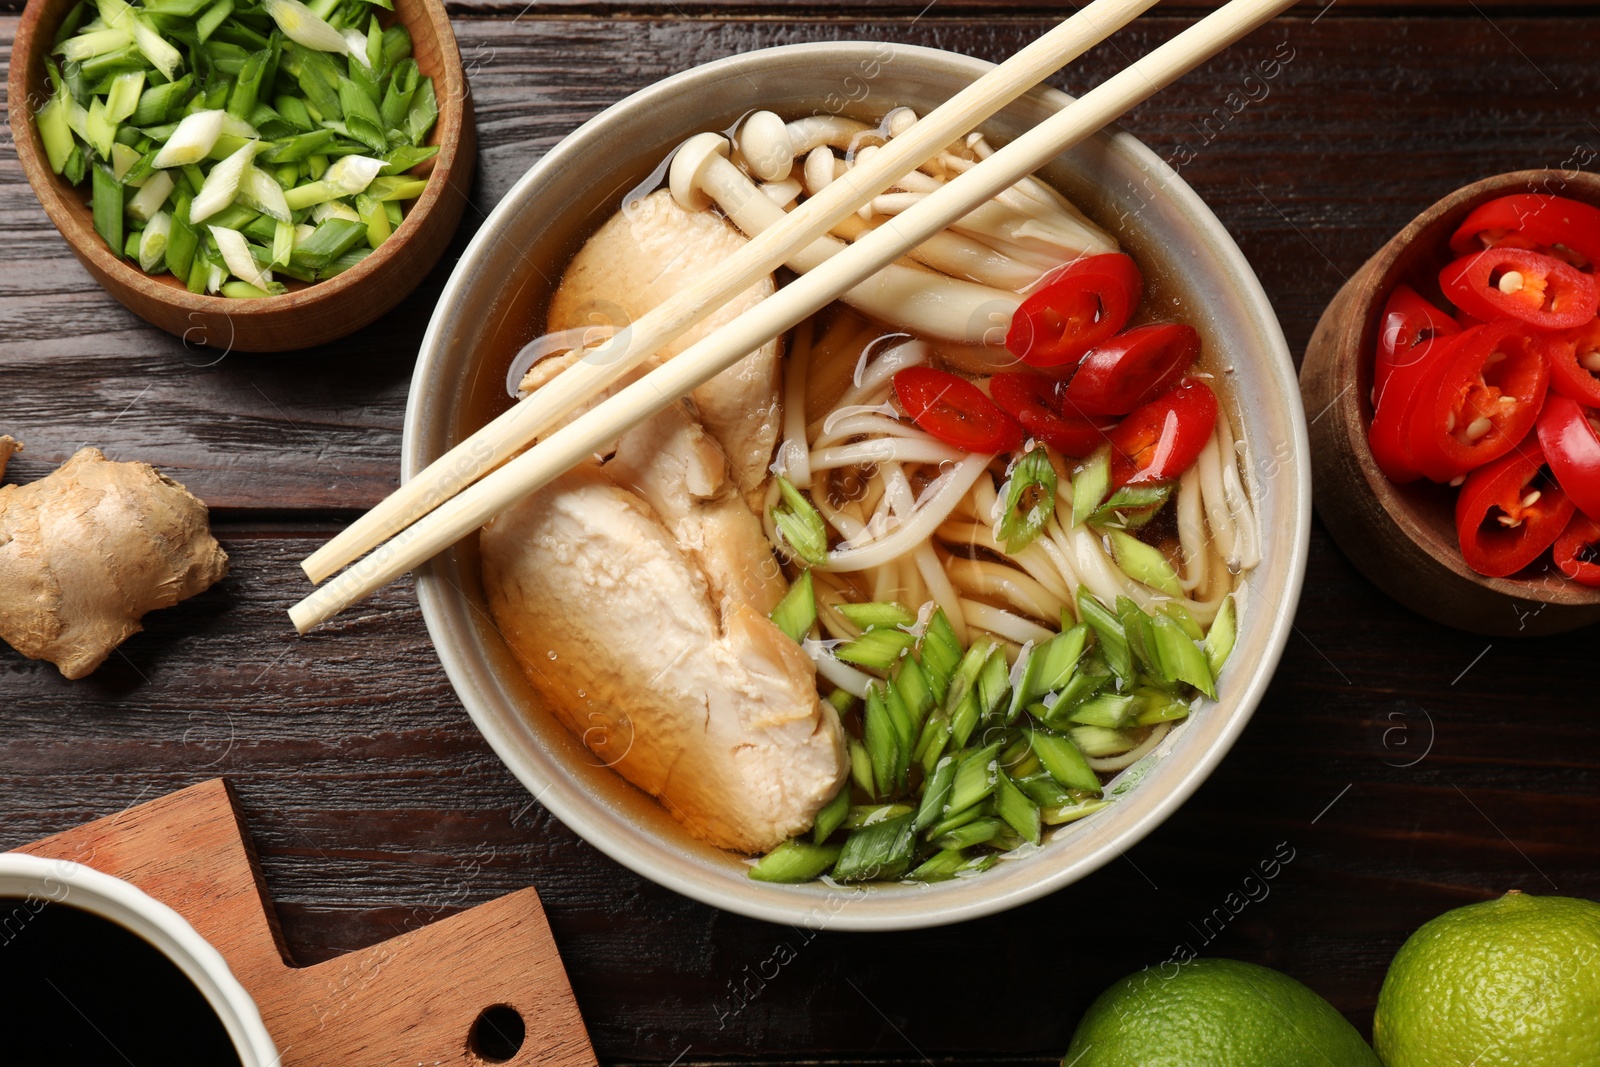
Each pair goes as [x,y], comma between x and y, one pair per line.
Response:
[876,649]
[1141,638]
[123,159]
[259,191]
[1048,668]
[397,188]
[161,55]
[832,815]
[941,653]
[943,866]
[123,100]
[404,157]
[861,769]
[423,114]
[800,524]
[100,131]
[1181,659]
[1132,506]
[1112,641]
[797,611]
[977,832]
[1063,762]
[334,209]
[877,853]
[882,739]
[1099,742]
[361,116]
[87,46]
[935,794]
[153,245]
[353,174]
[192,140]
[1012,805]
[795,861]
[1181,615]
[302,26]
[181,243]
[152,197]
[1224,633]
[283,235]
[1065,813]
[1027,500]
[222,184]
[55,132]
[236,254]
[1089,485]
[861,816]
[327,243]
[403,82]
[1111,711]
[876,613]
[975,778]
[1144,563]
[108,207]
[207,23]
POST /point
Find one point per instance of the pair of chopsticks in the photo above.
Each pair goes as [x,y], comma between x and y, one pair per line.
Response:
[406,529]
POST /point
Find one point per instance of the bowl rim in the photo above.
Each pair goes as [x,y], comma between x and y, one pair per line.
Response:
[569,802]
[47,189]
[1382,273]
[125,904]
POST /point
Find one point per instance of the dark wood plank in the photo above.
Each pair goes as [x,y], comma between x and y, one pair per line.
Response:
[377,808]
[1309,180]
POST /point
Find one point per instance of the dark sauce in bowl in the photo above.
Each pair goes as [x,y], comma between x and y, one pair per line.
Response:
[78,990]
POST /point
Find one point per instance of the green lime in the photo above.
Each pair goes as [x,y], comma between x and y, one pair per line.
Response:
[1214,1013]
[1513,982]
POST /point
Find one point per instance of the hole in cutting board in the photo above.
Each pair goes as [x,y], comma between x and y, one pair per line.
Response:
[496,1033]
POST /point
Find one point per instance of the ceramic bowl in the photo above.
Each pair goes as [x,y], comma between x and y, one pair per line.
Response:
[307,314]
[1403,537]
[492,304]
[64,882]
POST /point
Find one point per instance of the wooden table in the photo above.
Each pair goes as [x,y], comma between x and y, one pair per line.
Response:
[1406,767]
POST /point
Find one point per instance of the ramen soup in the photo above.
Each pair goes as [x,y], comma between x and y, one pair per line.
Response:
[903,590]
[78,990]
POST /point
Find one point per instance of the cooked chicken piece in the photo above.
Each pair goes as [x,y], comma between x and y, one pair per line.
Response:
[652,654]
[639,258]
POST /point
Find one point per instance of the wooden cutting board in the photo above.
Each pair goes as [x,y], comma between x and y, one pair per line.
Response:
[415,999]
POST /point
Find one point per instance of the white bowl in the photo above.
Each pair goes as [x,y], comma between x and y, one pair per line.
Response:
[492,304]
[74,885]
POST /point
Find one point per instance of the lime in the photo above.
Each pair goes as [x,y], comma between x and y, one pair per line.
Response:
[1514,981]
[1214,1013]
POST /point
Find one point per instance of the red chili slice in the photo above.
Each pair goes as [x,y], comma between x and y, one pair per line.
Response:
[1084,306]
[1534,288]
[1408,320]
[1035,402]
[1533,220]
[1389,436]
[1570,438]
[1133,368]
[1575,363]
[1163,438]
[1577,550]
[1487,399]
[1509,512]
[955,411]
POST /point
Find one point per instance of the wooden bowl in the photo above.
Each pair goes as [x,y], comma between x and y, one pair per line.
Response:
[1403,537]
[307,314]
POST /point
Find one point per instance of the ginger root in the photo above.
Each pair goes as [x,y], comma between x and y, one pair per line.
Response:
[88,549]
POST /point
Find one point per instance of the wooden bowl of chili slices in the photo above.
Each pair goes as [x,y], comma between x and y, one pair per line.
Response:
[1453,387]
[260,175]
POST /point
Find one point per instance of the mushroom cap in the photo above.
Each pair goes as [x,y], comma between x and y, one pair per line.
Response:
[765,143]
[688,166]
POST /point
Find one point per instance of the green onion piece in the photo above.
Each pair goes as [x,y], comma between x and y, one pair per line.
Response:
[123,100]
[404,157]
[966,674]
[355,173]
[1048,668]
[130,246]
[317,166]
[1063,762]
[157,102]
[232,217]
[1112,711]
[242,100]
[152,197]
[797,611]
[1181,615]
[361,116]
[994,683]
[842,702]
[235,251]
[1099,742]
[123,159]
[1181,659]
[334,209]
[312,194]
[876,649]
[975,778]
[879,852]
[1144,563]
[161,55]
[296,148]
[911,683]
[882,738]
[940,653]
[319,80]
[1044,790]
[199,273]
[795,861]
[222,184]
[397,188]
[943,866]
[181,242]
[330,240]
[1141,639]
[904,731]
[186,9]
[1065,813]
[799,522]
[396,45]
[282,243]
[861,816]
[294,112]
[108,208]
[981,810]
[1028,500]
[55,132]
[302,26]
[1012,805]
[931,744]
[1113,642]
[153,245]
[403,84]
[1165,708]
[374,48]
[1224,633]
[68,27]
[1132,506]
[100,131]
[861,772]
[86,46]
[191,140]
[260,191]
[976,832]
[1089,485]
[424,112]
[876,613]
[832,815]
[344,263]
[935,794]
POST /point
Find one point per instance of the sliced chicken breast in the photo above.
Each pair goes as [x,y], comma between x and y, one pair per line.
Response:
[647,641]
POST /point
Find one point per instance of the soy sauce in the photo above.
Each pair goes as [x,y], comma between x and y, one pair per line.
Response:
[77,989]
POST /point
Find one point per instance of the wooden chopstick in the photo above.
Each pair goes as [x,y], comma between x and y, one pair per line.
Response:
[609,362]
[792,303]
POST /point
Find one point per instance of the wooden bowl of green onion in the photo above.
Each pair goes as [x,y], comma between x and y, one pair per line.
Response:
[260,175]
